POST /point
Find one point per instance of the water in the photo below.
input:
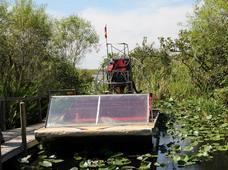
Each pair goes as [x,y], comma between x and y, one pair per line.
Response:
[219,161]
[113,153]
[109,153]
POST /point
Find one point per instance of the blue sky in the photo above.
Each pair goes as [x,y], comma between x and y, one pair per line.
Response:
[128,20]
[70,6]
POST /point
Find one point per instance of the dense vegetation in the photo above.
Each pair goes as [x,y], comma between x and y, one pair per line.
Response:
[39,53]
[190,76]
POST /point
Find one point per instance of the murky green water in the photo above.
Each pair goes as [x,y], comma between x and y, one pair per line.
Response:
[109,153]
[89,153]
[108,158]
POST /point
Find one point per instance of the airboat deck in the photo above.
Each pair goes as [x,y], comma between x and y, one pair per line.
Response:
[98,115]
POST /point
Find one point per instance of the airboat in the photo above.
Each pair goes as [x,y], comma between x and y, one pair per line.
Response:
[121,110]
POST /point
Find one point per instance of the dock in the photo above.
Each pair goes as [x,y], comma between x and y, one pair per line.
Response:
[13,141]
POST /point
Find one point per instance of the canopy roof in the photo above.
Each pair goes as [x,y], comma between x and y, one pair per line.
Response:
[70,111]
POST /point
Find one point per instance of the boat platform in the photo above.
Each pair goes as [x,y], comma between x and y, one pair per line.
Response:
[99,115]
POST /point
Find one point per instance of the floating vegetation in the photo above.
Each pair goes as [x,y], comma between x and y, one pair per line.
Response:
[109,161]
[45,164]
[198,128]
[25,160]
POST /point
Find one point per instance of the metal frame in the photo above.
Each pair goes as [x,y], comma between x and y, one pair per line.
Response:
[98,109]
[107,77]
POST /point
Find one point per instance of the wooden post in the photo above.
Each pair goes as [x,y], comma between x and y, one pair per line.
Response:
[23,125]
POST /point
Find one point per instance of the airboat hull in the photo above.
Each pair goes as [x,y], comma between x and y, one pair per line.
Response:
[88,119]
[116,138]
[47,134]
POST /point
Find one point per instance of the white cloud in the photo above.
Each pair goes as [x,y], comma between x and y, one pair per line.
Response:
[131,26]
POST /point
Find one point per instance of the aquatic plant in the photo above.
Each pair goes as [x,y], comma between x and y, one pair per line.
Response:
[198,127]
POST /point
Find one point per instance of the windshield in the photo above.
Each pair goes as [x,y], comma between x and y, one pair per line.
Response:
[98,110]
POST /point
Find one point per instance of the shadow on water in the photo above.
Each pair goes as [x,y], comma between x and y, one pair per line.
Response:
[115,153]
[92,144]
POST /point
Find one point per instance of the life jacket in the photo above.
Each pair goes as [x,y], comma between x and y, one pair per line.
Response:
[120,65]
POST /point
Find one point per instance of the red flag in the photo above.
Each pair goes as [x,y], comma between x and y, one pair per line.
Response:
[105,29]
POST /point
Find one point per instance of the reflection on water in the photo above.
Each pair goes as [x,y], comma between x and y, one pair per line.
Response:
[219,162]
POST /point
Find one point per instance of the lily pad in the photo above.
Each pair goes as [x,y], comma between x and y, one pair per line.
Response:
[40,147]
[52,157]
[128,168]
[120,154]
[45,164]
[43,156]
[77,157]
[74,168]
[176,158]
[209,117]
[41,152]
[54,160]
[188,148]
[118,161]
[25,160]
[146,156]
[224,125]
[145,165]
[159,164]
[92,164]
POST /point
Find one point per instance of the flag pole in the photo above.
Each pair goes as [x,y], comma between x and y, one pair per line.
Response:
[106,38]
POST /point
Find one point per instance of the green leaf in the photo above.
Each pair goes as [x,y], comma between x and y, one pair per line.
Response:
[40,146]
[146,156]
[194,143]
[157,164]
[188,148]
[25,160]
[77,157]
[54,160]
[43,156]
[120,154]
[41,152]
[145,165]
[73,168]
[196,133]
[92,164]
[52,157]
[209,117]
[224,125]
[176,158]
[127,168]
[45,164]
[118,161]
[222,148]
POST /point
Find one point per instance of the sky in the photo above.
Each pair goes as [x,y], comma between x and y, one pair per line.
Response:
[127,20]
